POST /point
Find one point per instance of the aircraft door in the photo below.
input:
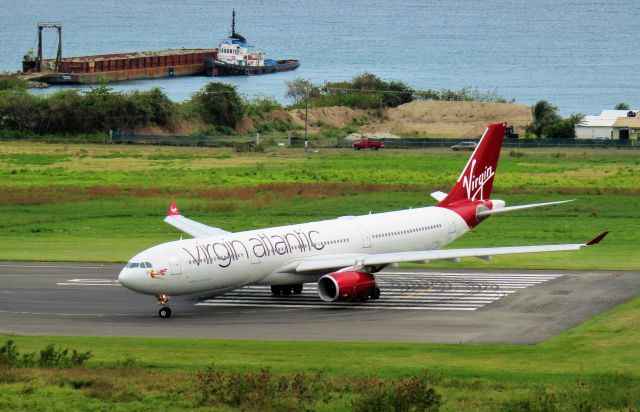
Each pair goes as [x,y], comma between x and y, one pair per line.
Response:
[366,238]
[452,225]
[176,268]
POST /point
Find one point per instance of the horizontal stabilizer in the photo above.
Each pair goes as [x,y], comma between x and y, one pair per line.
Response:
[439,196]
[520,207]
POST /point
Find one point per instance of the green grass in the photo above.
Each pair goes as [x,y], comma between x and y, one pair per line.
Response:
[594,363]
[105,203]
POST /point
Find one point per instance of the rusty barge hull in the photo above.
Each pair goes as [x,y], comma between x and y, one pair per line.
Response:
[107,68]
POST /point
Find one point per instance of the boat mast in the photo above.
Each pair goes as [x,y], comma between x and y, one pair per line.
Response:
[233,22]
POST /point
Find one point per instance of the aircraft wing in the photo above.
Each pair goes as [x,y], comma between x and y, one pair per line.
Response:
[188,226]
[382,259]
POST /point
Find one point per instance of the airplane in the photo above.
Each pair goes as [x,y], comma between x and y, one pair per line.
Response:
[342,255]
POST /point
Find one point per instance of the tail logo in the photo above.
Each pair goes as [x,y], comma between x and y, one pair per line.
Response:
[475,184]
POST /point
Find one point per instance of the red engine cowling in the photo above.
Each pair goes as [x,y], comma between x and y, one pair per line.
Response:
[346,286]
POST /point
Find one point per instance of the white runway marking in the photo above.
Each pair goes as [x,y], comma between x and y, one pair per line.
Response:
[400,290]
[89,282]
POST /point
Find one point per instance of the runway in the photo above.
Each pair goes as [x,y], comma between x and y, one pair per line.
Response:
[416,305]
[402,290]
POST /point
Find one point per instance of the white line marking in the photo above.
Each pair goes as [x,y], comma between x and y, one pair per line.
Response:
[400,290]
[57,266]
[89,282]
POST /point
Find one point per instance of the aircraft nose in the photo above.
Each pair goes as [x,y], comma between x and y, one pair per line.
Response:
[132,279]
[125,277]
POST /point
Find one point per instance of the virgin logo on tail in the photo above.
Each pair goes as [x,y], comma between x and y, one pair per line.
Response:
[475,184]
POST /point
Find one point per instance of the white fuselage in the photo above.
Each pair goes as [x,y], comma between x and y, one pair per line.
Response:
[261,256]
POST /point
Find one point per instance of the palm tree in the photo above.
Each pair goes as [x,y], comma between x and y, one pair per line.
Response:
[544,114]
[576,118]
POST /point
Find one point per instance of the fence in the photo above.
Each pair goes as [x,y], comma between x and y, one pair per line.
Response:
[405,143]
[315,142]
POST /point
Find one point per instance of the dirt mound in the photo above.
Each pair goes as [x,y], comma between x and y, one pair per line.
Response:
[449,119]
[182,127]
[328,116]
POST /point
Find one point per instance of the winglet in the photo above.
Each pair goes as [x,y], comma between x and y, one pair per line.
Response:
[173,209]
[597,239]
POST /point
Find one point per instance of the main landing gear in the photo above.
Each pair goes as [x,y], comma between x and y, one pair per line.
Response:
[286,290]
[165,310]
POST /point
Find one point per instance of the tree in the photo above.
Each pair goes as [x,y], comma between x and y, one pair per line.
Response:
[561,129]
[622,106]
[576,118]
[544,114]
[298,90]
[219,104]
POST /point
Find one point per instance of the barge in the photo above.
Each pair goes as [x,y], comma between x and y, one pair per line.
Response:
[232,57]
[105,68]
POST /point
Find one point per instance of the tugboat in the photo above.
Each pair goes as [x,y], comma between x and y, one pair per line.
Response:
[237,58]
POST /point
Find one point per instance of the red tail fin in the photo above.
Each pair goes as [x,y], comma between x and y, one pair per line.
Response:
[476,179]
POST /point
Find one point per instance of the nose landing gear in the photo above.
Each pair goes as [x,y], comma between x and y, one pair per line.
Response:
[165,311]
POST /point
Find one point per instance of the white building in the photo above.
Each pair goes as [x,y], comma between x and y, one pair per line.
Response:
[601,126]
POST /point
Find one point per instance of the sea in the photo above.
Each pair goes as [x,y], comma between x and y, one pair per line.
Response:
[580,55]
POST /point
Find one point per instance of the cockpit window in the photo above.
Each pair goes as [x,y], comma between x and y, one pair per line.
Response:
[148,265]
[133,265]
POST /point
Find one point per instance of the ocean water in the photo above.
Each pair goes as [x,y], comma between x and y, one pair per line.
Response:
[580,55]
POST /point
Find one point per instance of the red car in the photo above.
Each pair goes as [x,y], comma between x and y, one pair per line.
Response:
[368,143]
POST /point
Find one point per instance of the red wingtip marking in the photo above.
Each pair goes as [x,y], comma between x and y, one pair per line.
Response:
[597,239]
[173,209]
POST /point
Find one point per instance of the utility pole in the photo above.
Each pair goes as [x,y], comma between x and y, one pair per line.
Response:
[306,120]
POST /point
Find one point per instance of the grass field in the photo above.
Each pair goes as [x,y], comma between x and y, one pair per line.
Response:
[106,203]
[594,366]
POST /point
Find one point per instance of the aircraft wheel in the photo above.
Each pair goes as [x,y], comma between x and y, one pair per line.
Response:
[376,294]
[297,289]
[164,312]
[286,290]
[276,290]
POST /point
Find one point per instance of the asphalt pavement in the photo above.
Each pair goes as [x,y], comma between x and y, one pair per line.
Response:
[416,305]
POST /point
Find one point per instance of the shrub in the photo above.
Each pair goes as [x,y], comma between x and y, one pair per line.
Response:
[260,105]
[411,394]
[220,104]
[466,94]
[13,83]
[156,106]
[49,357]
[96,110]
[247,147]
[262,390]
[561,129]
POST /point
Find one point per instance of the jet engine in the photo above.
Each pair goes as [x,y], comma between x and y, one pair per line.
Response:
[347,286]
